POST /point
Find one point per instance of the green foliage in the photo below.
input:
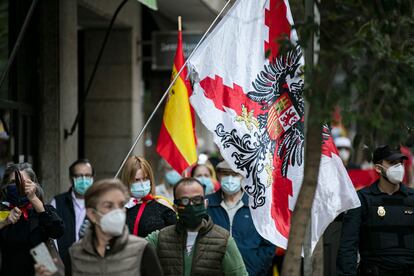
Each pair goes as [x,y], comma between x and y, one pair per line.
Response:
[366,65]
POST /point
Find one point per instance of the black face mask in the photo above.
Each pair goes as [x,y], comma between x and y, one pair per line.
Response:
[13,197]
[190,216]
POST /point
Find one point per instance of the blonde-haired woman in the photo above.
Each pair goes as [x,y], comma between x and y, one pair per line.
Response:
[206,174]
[145,213]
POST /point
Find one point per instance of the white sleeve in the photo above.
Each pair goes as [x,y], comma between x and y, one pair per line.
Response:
[53,203]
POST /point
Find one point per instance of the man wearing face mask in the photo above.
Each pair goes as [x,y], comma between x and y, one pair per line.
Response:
[195,245]
[382,228]
[70,205]
[229,208]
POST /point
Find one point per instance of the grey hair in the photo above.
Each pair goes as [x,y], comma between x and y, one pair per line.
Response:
[26,167]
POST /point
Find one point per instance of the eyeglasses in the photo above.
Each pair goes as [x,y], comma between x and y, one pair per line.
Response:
[185,201]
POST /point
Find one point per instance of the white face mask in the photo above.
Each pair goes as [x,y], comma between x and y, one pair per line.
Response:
[113,223]
[344,154]
[395,174]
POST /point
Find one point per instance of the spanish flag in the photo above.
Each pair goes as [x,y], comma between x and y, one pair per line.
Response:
[177,141]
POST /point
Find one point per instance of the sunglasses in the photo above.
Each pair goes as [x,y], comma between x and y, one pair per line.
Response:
[185,201]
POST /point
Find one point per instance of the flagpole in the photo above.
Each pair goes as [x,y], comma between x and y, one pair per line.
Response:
[169,88]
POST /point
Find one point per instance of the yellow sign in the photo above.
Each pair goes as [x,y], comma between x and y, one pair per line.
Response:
[4,215]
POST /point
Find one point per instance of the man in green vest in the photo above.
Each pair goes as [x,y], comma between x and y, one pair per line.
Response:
[195,245]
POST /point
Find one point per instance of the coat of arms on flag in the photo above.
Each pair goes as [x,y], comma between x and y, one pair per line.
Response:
[250,96]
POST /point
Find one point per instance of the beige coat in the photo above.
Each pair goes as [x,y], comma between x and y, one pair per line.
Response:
[123,257]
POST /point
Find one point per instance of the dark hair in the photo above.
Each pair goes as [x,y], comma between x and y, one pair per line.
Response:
[26,167]
[100,187]
[187,181]
[77,162]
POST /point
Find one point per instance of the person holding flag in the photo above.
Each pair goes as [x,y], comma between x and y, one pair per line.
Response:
[177,141]
[249,95]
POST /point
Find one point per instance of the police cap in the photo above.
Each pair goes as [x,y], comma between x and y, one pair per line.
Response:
[385,153]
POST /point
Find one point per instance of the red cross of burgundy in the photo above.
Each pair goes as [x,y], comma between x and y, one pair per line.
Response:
[234,98]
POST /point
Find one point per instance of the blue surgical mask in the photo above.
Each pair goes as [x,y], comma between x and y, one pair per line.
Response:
[172,177]
[13,197]
[207,183]
[81,184]
[230,184]
[140,189]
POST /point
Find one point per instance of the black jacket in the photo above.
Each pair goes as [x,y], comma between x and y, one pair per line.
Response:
[155,217]
[64,208]
[17,239]
[382,230]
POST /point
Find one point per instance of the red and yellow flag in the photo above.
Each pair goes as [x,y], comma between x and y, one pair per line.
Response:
[177,141]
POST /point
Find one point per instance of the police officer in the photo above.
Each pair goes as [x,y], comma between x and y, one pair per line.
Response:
[383,227]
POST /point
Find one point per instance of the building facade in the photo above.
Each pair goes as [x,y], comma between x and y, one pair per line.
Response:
[45,88]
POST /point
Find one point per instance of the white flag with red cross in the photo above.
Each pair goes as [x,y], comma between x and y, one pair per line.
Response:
[250,97]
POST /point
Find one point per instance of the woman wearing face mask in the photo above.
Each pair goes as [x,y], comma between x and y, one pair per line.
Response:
[229,208]
[207,176]
[171,178]
[145,212]
[29,221]
[107,247]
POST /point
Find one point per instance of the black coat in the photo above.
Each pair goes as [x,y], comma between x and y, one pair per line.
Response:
[17,239]
[155,217]
[381,230]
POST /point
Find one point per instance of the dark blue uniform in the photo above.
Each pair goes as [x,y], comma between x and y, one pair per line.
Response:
[382,229]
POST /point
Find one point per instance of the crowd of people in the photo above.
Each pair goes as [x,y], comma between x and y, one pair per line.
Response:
[125,227]
[197,224]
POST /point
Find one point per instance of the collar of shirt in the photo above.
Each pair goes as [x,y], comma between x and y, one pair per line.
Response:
[79,203]
[375,189]
[215,200]
[131,203]
[236,206]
